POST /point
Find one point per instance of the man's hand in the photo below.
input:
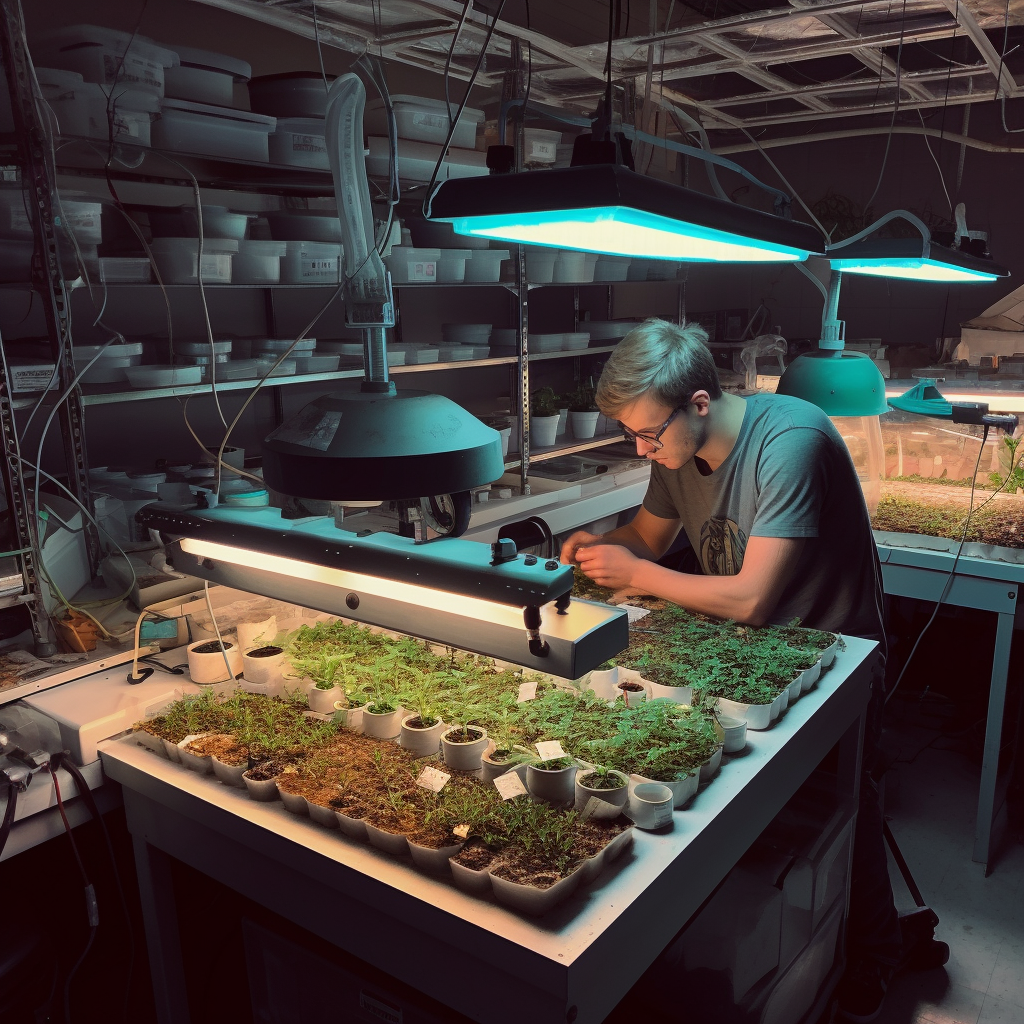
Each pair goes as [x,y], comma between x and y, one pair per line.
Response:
[609,565]
[575,542]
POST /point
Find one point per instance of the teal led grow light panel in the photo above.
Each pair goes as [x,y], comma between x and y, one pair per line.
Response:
[625,231]
[910,269]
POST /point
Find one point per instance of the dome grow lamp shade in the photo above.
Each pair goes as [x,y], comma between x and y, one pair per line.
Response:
[608,208]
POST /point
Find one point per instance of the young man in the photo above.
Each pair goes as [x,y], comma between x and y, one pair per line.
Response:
[769,499]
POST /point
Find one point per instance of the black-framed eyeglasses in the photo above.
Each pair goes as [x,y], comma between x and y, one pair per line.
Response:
[654,440]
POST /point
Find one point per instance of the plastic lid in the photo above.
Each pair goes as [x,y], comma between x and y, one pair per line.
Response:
[71,37]
[58,78]
[321,249]
[190,57]
[410,252]
[201,348]
[426,103]
[306,125]
[227,113]
[261,247]
[83,353]
[210,245]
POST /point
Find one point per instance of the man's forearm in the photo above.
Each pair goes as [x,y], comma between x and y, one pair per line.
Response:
[727,597]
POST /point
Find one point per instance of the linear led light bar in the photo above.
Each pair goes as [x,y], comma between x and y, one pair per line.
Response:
[610,209]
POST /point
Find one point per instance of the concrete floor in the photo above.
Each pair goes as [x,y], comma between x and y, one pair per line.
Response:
[930,804]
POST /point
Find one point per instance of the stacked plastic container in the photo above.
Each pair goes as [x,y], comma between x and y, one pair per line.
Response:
[464,341]
[298,102]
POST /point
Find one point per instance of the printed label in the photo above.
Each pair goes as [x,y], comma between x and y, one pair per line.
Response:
[462,831]
[527,691]
[309,144]
[377,1009]
[432,779]
[134,70]
[542,151]
[634,614]
[509,785]
[424,271]
[431,120]
[549,750]
[319,269]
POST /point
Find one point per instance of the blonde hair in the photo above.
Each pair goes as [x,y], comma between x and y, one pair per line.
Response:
[661,358]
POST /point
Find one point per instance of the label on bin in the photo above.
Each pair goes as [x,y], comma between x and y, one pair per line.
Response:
[509,785]
[433,779]
[542,151]
[133,69]
[308,143]
[430,120]
[424,270]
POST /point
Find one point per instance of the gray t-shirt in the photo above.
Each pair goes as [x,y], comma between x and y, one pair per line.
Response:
[789,475]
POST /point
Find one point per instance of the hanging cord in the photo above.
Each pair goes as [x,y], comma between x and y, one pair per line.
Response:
[216,629]
[448,60]
[895,111]
[319,50]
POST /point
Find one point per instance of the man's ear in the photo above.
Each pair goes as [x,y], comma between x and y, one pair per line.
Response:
[701,402]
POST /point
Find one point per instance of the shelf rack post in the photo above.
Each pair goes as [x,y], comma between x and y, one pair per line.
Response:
[48,277]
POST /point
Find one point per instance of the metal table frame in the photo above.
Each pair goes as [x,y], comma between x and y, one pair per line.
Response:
[986,585]
[410,925]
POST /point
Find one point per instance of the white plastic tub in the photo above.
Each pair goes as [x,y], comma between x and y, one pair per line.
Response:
[463,353]
[300,142]
[189,127]
[415,354]
[416,160]
[575,340]
[202,348]
[310,263]
[177,259]
[485,266]
[545,342]
[163,376]
[80,109]
[410,265]
[461,334]
[205,77]
[264,363]
[276,346]
[540,146]
[540,264]
[612,268]
[111,364]
[84,219]
[292,94]
[570,267]
[236,369]
[424,120]
[451,267]
[304,226]
[181,222]
[125,270]
[320,363]
[258,262]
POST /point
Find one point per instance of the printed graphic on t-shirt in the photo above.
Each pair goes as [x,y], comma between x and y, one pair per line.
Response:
[722,544]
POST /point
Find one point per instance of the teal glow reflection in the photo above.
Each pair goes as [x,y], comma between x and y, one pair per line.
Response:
[624,231]
[914,270]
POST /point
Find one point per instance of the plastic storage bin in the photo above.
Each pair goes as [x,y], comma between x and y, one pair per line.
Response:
[279,345]
[415,354]
[304,226]
[125,270]
[202,348]
[485,266]
[424,120]
[84,219]
[177,259]
[540,146]
[416,160]
[181,222]
[189,127]
[205,77]
[410,265]
[451,267]
[466,334]
[110,364]
[310,263]
[162,376]
[575,340]
[321,362]
[293,94]
[612,268]
[545,342]
[300,142]
[570,267]
[258,262]
[462,353]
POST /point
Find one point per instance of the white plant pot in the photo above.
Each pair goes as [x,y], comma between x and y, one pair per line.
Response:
[492,769]
[591,868]
[264,790]
[354,719]
[429,858]
[795,689]
[422,742]
[734,732]
[151,742]
[390,842]
[780,704]
[382,727]
[631,697]
[756,716]
[322,815]
[650,805]
[612,800]
[829,654]
[603,682]
[354,827]
[711,766]
[464,757]
[230,774]
[583,424]
[471,880]
[811,676]
[554,787]
[265,670]
[322,701]
[618,845]
[679,694]
[206,667]
[294,802]
[252,634]
[171,750]
[543,431]
[682,790]
[528,899]
[200,764]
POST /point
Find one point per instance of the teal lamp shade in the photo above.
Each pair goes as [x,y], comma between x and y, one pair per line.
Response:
[910,259]
[607,208]
[839,383]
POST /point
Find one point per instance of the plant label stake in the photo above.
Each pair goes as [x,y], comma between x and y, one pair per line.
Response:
[432,779]
[527,691]
[509,785]
[318,716]
[633,613]
[549,750]
[462,831]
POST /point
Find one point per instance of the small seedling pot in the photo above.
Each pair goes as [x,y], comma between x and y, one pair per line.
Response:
[206,662]
[230,774]
[755,716]
[464,757]
[172,750]
[252,633]
[472,880]
[419,740]
[810,677]
[780,704]
[264,665]
[555,786]
[202,764]
[354,827]
[618,845]
[682,790]
[829,654]
[294,802]
[390,842]
[632,692]
[602,682]
[611,800]
[679,694]
[322,701]
[150,742]
[583,424]
[325,816]
[492,769]
[650,805]
[382,727]
[433,859]
[354,719]
[528,899]
[264,790]
[795,688]
[710,767]
[734,733]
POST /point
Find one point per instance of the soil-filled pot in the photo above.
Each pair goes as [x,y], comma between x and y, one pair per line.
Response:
[780,704]
[421,740]
[264,665]
[680,694]
[150,741]
[811,676]
[382,726]
[294,802]
[756,716]
[795,688]
[322,815]
[464,754]
[172,750]
[829,654]
[632,692]
[493,767]
[711,766]
[474,877]
[583,424]
[556,785]
[260,788]
[354,827]
[252,633]
[206,662]
[529,899]
[353,719]
[734,732]
[602,682]
[612,800]
[618,845]
[202,764]
[683,790]
[650,805]
[390,842]
[322,701]
[230,774]
[431,858]
[543,431]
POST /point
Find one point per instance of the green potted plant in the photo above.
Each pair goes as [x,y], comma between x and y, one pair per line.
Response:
[463,745]
[552,780]
[543,418]
[583,412]
[422,727]
[326,671]
[381,711]
[606,786]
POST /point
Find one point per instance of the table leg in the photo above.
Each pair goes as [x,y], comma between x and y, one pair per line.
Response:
[160,916]
[993,741]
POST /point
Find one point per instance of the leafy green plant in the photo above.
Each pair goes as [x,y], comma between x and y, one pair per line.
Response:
[544,402]
[419,694]
[327,670]
[1014,480]
[582,399]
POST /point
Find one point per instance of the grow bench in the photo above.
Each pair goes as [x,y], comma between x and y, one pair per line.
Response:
[414,928]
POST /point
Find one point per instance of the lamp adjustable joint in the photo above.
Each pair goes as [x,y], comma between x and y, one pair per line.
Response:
[833,335]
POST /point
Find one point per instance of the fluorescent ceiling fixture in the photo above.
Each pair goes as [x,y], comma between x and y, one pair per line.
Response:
[607,208]
[916,270]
